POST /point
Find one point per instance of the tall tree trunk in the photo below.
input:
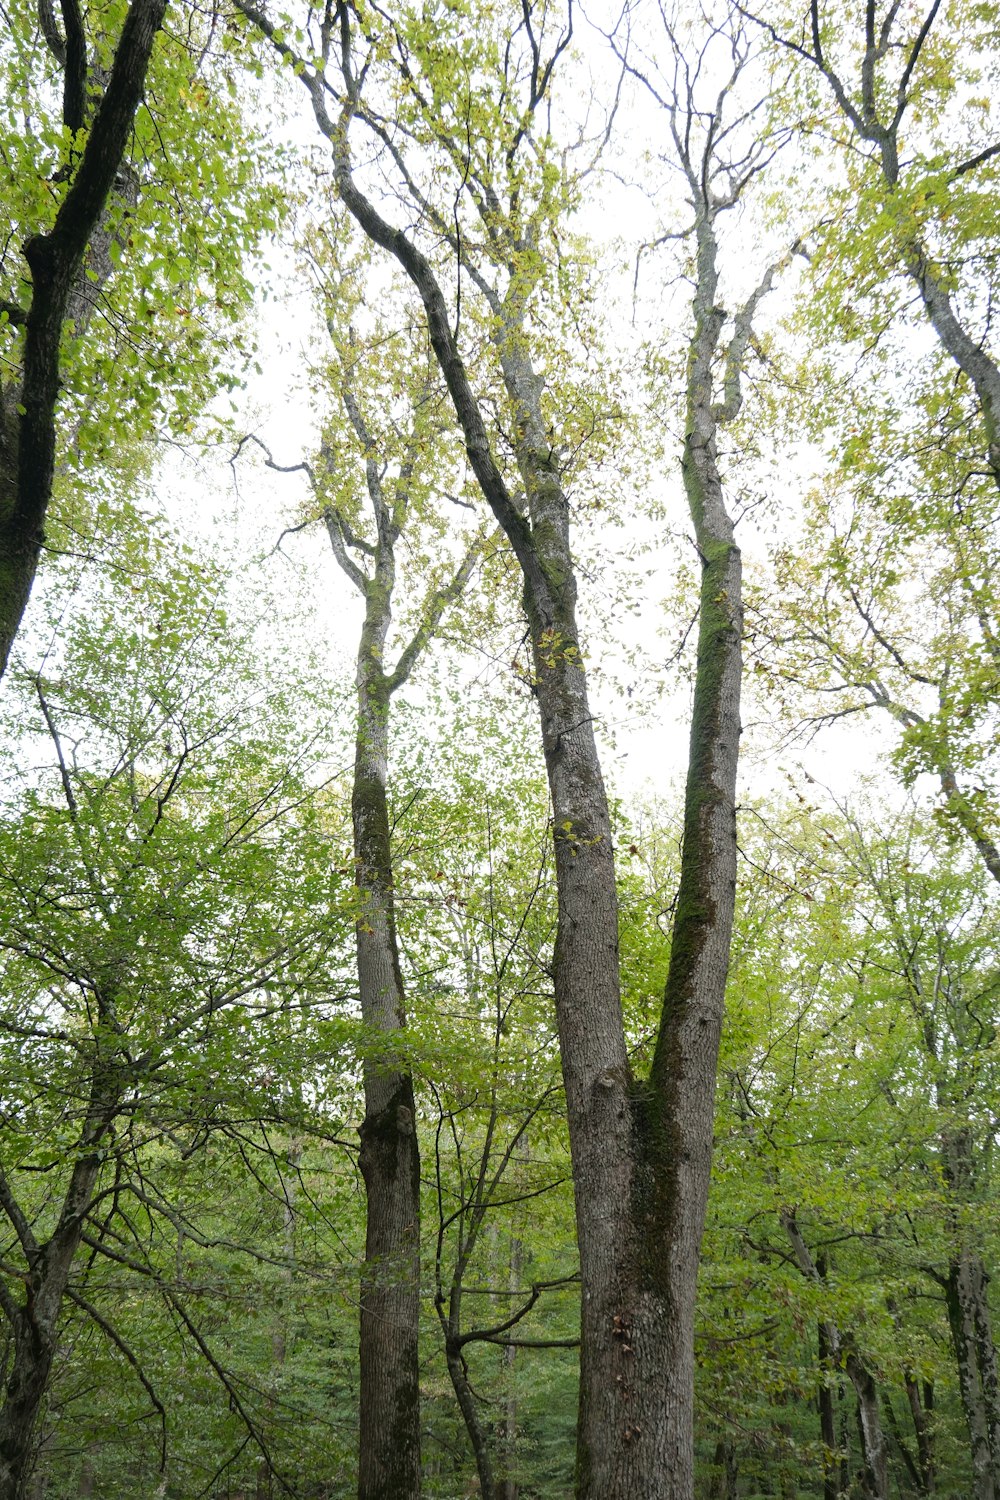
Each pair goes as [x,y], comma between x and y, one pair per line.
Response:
[389,1437]
[641,1153]
[874,1449]
[390,1165]
[506,1488]
[724,1471]
[919,1412]
[841,1352]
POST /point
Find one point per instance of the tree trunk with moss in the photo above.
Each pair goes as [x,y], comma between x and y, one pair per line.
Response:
[390,1163]
[389,1438]
[641,1152]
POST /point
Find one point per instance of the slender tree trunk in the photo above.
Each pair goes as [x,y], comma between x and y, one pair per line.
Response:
[390,1289]
[841,1352]
[845,1444]
[827,1420]
[507,1487]
[920,1413]
[279,1332]
[874,1449]
[724,1471]
[469,1408]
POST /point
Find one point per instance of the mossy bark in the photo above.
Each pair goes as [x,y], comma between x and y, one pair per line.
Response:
[389,1464]
[641,1155]
[976,1360]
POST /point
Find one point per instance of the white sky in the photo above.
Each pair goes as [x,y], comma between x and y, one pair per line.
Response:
[643,708]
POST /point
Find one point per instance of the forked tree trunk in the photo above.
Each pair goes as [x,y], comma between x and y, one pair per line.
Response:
[840,1351]
[919,1412]
[389,1435]
[641,1154]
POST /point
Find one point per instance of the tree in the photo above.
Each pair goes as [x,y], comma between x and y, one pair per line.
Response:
[115,203]
[836,1130]
[56,263]
[146,927]
[402,458]
[641,1150]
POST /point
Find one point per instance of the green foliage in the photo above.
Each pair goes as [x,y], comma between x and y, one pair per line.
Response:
[165,318]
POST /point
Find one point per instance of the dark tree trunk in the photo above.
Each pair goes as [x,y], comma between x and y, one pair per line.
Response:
[34,1323]
[473,1423]
[722,1485]
[506,1487]
[389,1466]
[55,260]
[390,1164]
[840,1351]
[389,1439]
[975,1355]
[922,1432]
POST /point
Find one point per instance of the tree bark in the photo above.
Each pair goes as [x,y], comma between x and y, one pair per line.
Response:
[922,1432]
[874,1449]
[390,1288]
[389,1435]
[975,1355]
[724,1471]
[507,1486]
[389,1428]
[641,1153]
[55,260]
[34,1322]
[827,1419]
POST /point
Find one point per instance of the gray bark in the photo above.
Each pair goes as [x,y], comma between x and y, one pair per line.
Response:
[507,1434]
[641,1154]
[389,1435]
[389,1429]
[876,114]
[922,1432]
[390,1165]
[827,1419]
[976,1359]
